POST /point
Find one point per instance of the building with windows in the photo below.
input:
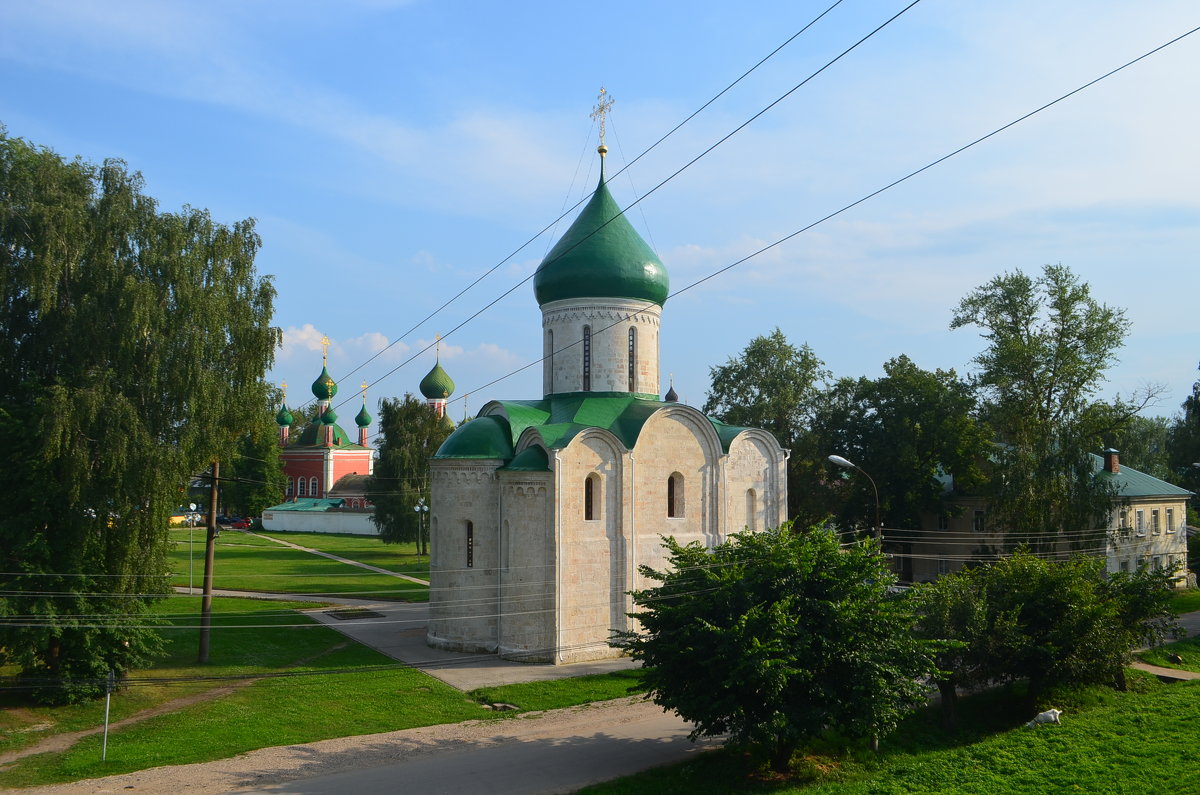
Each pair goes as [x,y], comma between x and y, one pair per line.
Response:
[543,510]
[326,471]
[1147,527]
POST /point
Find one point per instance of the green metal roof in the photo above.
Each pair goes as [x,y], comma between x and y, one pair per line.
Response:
[313,435]
[437,385]
[483,437]
[531,459]
[1132,483]
[558,419]
[601,255]
[307,504]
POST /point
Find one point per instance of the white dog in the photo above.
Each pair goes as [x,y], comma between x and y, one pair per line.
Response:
[1049,716]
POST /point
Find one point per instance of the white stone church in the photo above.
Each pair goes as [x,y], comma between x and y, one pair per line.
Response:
[543,510]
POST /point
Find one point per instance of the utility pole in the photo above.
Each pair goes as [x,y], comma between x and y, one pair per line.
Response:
[209,548]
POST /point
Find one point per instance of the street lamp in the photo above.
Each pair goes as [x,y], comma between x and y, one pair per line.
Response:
[846,464]
[421,508]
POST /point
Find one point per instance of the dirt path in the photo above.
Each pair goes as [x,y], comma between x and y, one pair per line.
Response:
[268,768]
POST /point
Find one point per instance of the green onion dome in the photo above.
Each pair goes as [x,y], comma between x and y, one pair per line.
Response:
[601,256]
[362,419]
[437,385]
[324,388]
[330,417]
[284,417]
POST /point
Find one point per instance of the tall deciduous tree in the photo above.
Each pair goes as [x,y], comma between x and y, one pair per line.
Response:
[135,347]
[905,428]
[1049,344]
[775,637]
[411,433]
[1183,443]
[775,386]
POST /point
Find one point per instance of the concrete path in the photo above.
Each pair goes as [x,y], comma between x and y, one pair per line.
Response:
[347,561]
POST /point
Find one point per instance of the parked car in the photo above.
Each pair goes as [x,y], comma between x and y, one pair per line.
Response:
[241,524]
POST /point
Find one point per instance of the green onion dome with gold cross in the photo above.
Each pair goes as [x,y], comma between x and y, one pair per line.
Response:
[437,384]
[601,256]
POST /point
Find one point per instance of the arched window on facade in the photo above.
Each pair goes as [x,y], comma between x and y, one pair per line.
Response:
[587,358]
[632,360]
[591,493]
[291,485]
[312,487]
[550,359]
[751,510]
[302,487]
[675,495]
[470,545]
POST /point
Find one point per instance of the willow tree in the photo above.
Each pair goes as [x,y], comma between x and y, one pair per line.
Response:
[136,344]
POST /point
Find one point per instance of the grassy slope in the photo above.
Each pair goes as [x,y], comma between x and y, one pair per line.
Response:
[275,711]
[1109,742]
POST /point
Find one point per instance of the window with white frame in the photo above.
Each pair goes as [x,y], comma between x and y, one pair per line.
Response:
[1154,526]
[1139,519]
[301,487]
[312,487]
[1170,520]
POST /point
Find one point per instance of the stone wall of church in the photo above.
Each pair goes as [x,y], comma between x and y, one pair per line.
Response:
[592,576]
[526,620]
[610,321]
[755,483]
[676,442]
[464,549]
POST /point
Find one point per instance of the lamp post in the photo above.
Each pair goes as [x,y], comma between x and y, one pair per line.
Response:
[846,464]
[421,508]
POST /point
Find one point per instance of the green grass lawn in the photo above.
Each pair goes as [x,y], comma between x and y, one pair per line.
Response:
[248,563]
[559,693]
[401,558]
[368,693]
[1109,742]
[1185,601]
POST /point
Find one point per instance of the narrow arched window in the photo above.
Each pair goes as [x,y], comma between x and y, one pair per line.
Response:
[589,496]
[587,358]
[291,485]
[302,485]
[751,509]
[470,545]
[312,487]
[632,360]
[675,495]
[550,360]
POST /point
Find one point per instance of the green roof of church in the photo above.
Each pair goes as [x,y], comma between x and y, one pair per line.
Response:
[558,419]
[313,435]
[437,385]
[601,256]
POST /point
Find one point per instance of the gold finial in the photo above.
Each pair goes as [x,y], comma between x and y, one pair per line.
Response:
[364,390]
[603,103]
[325,350]
[437,347]
[283,386]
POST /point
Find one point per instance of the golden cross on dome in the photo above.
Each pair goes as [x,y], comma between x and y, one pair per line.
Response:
[604,103]
[325,350]
[283,385]
[437,347]
[364,389]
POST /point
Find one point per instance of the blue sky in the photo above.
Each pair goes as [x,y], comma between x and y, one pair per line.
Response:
[392,152]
